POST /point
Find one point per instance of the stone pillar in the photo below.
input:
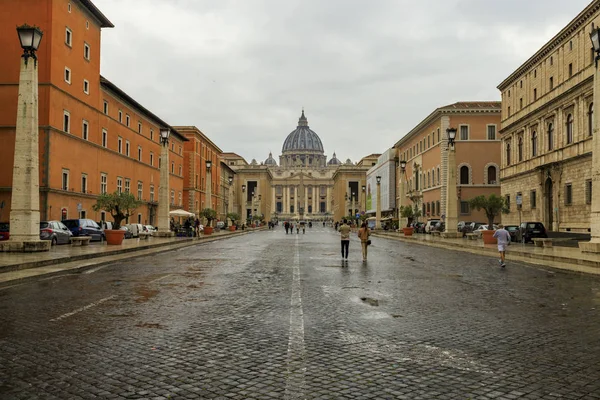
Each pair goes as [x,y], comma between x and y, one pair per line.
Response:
[445,124]
[451,211]
[378,210]
[25,196]
[163,193]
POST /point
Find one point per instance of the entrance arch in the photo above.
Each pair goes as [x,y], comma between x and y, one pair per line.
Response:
[549,198]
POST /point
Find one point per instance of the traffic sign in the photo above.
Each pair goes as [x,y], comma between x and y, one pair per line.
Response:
[79,207]
[519,199]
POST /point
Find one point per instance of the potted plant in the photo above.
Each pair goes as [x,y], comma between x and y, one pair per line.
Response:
[256,219]
[409,213]
[493,206]
[120,205]
[209,214]
[233,217]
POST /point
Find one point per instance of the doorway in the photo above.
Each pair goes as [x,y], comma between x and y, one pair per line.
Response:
[549,194]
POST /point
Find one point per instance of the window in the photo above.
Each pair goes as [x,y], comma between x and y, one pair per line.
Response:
[139,218]
[509,111]
[534,144]
[551,82]
[139,127]
[464,208]
[437,207]
[66,121]
[568,194]
[127,119]
[127,146]
[86,86]
[120,145]
[491,132]
[521,84]
[172,197]
[569,128]
[509,93]
[532,199]
[492,175]
[507,201]
[104,138]
[535,73]
[438,176]
[151,135]
[152,159]
[438,135]
[69,7]
[139,153]
[520,148]
[464,175]
[127,185]
[120,116]
[588,191]
[570,45]
[85,130]
[119,184]
[570,70]
[551,60]
[179,150]
[520,103]
[534,94]
[151,192]
[591,119]
[103,183]
[508,153]
[464,132]
[68,37]
[86,51]
[180,200]
[87,24]
[140,190]
[172,167]
[65,179]
[550,137]
[159,162]
[84,183]
[180,170]
[105,107]
[67,75]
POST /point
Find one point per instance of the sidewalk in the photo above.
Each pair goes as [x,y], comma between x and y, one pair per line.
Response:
[17,267]
[564,258]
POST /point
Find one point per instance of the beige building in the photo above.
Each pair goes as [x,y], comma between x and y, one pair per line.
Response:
[303,185]
[547,112]
[477,159]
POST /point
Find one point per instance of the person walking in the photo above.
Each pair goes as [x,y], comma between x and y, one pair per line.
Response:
[363,234]
[503,238]
[345,238]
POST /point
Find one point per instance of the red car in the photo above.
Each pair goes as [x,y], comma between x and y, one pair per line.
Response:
[4,231]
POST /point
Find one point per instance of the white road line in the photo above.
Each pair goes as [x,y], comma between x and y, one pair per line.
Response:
[159,279]
[295,385]
[97,303]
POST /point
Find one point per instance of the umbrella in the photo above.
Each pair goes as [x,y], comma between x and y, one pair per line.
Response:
[180,213]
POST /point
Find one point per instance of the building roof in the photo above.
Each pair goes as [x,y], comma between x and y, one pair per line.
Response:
[302,139]
[187,129]
[104,22]
[552,44]
[461,107]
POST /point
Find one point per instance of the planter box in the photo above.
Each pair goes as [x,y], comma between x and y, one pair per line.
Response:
[114,236]
[232,228]
[208,230]
[488,237]
[408,231]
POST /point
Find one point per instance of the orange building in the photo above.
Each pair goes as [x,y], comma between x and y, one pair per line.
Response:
[477,159]
[197,151]
[94,138]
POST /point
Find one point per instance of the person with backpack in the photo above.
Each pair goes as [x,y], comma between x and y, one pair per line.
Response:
[363,234]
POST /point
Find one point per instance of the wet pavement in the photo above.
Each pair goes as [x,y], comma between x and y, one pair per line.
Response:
[276,316]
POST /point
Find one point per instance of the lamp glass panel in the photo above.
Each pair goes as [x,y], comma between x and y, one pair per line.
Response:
[451,134]
[403,164]
[37,38]
[26,37]
[595,36]
[208,164]
[164,133]
[378,179]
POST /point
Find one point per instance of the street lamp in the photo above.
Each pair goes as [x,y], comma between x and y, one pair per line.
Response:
[25,196]
[401,190]
[209,184]
[378,209]
[164,228]
[451,212]
[593,246]
[364,198]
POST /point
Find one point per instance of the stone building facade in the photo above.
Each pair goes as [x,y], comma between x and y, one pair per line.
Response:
[546,131]
[424,148]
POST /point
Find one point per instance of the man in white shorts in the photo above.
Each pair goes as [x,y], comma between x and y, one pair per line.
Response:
[503,238]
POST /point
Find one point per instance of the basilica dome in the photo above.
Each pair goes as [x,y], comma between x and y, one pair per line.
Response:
[302,139]
[334,161]
[270,161]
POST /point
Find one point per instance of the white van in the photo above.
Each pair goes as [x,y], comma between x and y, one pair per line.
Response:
[430,224]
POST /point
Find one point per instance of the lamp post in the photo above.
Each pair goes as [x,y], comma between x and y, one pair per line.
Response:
[208,192]
[401,190]
[346,203]
[25,196]
[230,198]
[378,210]
[243,203]
[364,198]
[593,246]
[451,212]
[353,206]
[164,227]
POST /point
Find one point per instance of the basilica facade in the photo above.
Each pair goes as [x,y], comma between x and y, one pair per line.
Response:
[304,185]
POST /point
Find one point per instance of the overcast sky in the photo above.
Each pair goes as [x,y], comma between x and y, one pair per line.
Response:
[366,72]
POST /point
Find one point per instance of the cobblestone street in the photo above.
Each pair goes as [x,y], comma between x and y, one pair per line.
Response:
[275,316]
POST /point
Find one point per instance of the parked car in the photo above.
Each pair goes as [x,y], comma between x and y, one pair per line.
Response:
[474,225]
[462,224]
[56,232]
[419,227]
[513,231]
[105,225]
[439,226]
[136,229]
[4,230]
[150,229]
[481,228]
[221,224]
[430,224]
[85,227]
[128,234]
[530,230]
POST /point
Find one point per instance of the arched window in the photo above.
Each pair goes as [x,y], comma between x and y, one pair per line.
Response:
[438,176]
[569,128]
[520,148]
[491,175]
[508,153]
[437,205]
[534,144]
[550,136]
[591,119]
[464,175]
[428,179]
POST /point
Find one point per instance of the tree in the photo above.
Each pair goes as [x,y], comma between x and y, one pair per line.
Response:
[120,205]
[410,212]
[233,217]
[492,205]
[209,214]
